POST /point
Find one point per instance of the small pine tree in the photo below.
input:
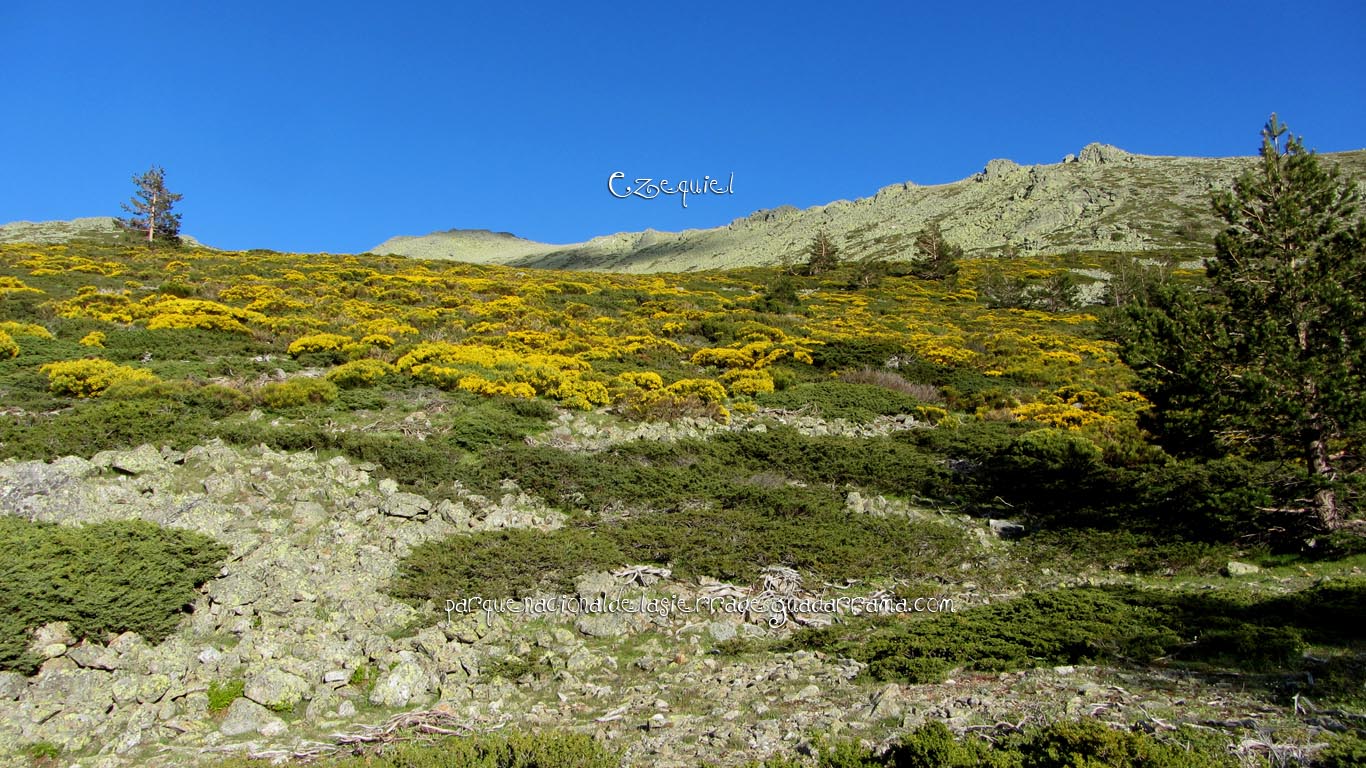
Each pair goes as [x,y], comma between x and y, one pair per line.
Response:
[938,257]
[151,208]
[822,254]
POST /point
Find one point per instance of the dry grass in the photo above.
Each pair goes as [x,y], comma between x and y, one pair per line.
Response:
[925,393]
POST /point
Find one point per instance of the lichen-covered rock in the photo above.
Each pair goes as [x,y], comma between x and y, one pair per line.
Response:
[406,683]
[245,716]
[275,688]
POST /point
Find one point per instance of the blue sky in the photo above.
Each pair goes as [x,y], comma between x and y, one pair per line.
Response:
[312,126]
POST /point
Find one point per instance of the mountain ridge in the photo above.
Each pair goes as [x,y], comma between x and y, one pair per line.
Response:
[1102,198]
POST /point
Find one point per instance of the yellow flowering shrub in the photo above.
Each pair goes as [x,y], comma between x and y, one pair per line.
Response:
[93,339]
[747,383]
[297,392]
[582,395]
[13,286]
[91,376]
[360,373]
[706,390]
[318,342]
[25,329]
[8,346]
[378,340]
[647,380]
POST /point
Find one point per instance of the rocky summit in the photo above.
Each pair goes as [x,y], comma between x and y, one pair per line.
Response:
[1102,198]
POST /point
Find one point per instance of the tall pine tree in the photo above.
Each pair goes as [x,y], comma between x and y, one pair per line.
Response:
[151,208]
[1270,357]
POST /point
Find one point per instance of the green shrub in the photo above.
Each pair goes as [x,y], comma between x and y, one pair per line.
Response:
[1084,625]
[298,392]
[842,400]
[105,578]
[97,425]
[496,564]
[1347,750]
[222,695]
[503,750]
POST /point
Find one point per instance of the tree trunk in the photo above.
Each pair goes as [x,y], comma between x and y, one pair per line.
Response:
[1325,500]
[152,219]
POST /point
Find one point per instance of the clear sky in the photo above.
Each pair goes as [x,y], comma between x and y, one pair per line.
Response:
[330,126]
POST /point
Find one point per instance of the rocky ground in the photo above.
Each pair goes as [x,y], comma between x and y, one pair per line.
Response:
[300,615]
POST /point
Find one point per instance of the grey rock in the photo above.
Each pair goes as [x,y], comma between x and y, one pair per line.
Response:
[1007,529]
[406,505]
[887,703]
[1235,568]
[246,716]
[721,631]
[276,688]
[402,685]
[139,461]
[93,656]
[11,686]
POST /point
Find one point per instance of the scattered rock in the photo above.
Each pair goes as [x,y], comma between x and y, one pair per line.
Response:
[245,716]
[1235,568]
[139,461]
[400,686]
[276,688]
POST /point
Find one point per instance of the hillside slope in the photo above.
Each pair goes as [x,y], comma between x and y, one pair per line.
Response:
[1104,198]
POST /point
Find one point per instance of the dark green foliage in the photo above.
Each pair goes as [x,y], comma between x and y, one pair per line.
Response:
[104,578]
[503,750]
[1267,360]
[822,254]
[1086,625]
[151,208]
[715,508]
[1067,744]
[938,258]
[105,424]
[1059,292]
[496,564]
[1347,750]
[779,296]
[839,400]
[868,352]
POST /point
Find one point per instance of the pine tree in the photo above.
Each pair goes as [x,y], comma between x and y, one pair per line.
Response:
[822,254]
[1270,357]
[151,208]
[938,257]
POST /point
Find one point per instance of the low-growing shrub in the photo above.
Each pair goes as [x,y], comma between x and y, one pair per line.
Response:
[222,695]
[298,392]
[1086,625]
[90,377]
[509,563]
[841,400]
[503,750]
[360,373]
[8,346]
[105,578]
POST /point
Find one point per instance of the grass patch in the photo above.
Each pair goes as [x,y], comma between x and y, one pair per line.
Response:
[222,695]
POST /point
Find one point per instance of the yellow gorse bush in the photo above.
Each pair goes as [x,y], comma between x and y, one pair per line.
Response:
[91,376]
